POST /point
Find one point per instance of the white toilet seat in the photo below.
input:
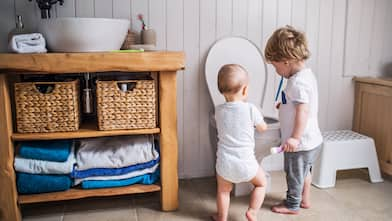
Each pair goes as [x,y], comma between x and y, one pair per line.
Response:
[237,50]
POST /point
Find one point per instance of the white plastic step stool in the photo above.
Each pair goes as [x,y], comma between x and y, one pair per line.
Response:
[343,150]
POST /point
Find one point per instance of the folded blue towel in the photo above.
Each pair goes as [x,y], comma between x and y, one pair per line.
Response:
[119,177]
[57,150]
[34,166]
[33,183]
[143,179]
[113,171]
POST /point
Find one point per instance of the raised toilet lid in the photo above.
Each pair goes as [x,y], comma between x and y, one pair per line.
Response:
[237,50]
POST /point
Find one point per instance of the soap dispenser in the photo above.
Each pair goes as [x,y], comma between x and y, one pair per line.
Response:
[19,29]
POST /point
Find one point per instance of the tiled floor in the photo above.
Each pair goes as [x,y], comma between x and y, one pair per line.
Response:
[353,198]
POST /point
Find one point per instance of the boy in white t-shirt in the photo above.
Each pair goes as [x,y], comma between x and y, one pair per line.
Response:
[236,121]
[287,51]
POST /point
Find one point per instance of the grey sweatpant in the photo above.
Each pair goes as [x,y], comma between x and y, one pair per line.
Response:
[297,165]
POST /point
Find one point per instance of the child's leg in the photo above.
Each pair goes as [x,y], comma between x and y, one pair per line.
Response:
[305,203]
[223,198]
[257,195]
[295,167]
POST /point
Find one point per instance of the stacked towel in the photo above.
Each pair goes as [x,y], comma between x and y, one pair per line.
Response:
[115,161]
[115,152]
[41,167]
[28,43]
[49,150]
[147,179]
[39,183]
[115,171]
[35,166]
[112,176]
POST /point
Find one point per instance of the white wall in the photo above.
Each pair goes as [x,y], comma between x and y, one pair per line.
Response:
[346,38]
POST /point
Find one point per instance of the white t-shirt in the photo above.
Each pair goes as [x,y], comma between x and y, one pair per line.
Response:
[301,88]
[236,123]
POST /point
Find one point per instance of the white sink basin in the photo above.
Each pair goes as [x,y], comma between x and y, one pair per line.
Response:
[83,34]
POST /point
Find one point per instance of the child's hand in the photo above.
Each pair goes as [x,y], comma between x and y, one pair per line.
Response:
[291,145]
[277,105]
[261,127]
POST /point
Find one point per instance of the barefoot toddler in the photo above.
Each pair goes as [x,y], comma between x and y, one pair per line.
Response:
[236,122]
[287,51]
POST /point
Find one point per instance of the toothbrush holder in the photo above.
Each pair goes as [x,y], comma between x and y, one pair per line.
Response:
[149,36]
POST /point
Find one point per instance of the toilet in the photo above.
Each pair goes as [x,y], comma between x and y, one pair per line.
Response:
[238,50]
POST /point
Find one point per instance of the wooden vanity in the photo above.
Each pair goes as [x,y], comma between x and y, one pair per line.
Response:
[372,115]
[163,64]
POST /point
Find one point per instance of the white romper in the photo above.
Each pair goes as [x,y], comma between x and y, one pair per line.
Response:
[236,121]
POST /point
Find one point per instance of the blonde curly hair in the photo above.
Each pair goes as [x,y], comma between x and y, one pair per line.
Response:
[286,44]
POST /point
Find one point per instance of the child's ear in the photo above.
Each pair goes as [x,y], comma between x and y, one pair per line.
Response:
[245,90]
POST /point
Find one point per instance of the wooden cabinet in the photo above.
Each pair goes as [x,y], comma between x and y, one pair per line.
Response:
[373,116]
[164,64]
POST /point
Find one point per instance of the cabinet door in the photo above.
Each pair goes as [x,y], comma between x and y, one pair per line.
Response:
[373,117]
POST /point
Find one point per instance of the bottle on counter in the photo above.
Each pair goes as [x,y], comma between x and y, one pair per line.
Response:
[19,29]
[87,97]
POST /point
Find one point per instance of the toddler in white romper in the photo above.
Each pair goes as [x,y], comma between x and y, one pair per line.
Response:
[236,121]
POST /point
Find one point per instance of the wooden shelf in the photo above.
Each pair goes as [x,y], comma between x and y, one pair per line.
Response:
[84,193]
[86,130]
[60,63]
[165,63]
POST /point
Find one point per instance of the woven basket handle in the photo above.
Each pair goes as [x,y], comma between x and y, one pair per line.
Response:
[129,86]
[50,87]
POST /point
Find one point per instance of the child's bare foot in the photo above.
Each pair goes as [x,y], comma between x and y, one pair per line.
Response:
[251,215]
[214,217]
[284,210]
[305,205]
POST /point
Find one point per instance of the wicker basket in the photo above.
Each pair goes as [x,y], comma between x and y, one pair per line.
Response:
[54,111]
[132,108]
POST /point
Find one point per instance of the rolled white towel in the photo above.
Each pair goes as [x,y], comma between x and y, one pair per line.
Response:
[28,43]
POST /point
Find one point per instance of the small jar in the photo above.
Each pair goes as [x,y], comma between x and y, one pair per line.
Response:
[149,36]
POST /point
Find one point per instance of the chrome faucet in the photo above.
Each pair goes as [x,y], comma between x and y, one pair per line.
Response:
[46,6]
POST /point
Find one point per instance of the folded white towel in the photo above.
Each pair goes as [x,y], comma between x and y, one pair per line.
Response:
[28,43]
[45,167]
[119,177]
[118,152]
